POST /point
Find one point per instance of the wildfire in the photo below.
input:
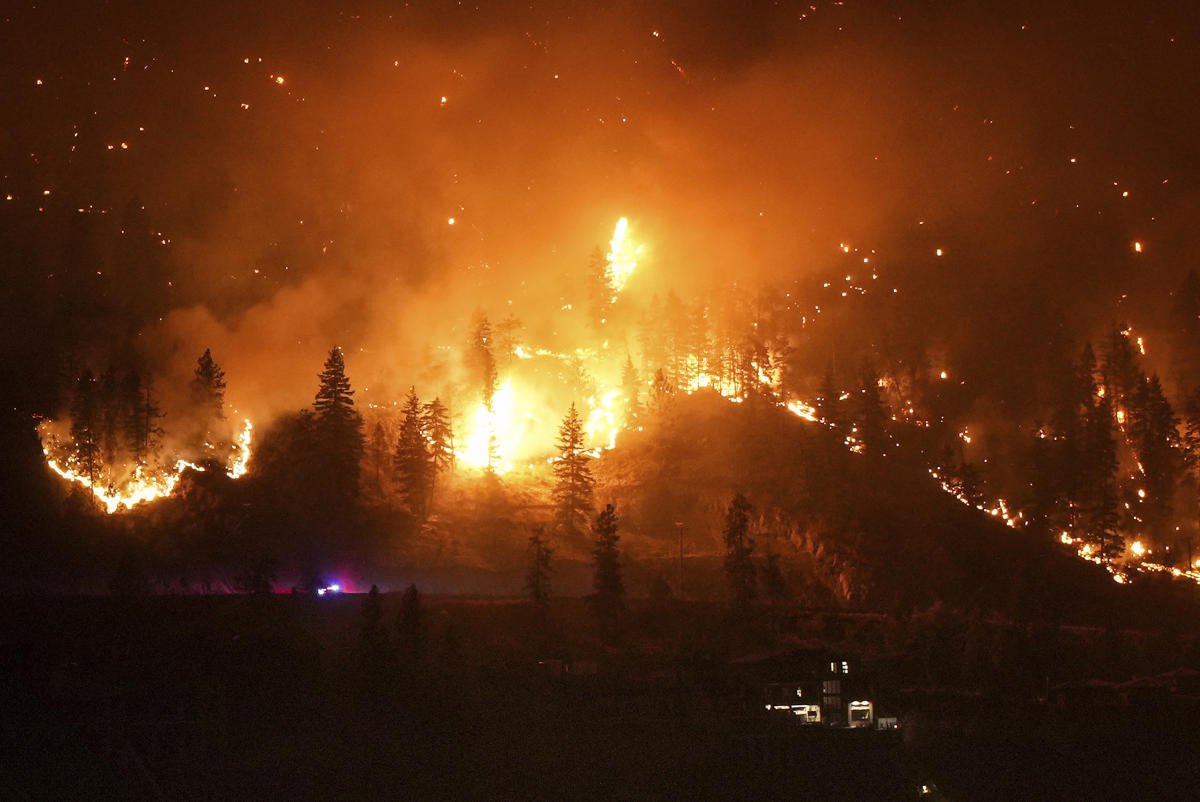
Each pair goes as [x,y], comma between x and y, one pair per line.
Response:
[145,484]
[494,435]
[622,258]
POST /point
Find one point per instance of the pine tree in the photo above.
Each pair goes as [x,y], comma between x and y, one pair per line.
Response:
[211,432]
[573,477]
[435,421]
[413,463]
[1101,506]
[112,419]
[378,456]
[1191,431]
[372,636]
[1120,369]
[872,413]
[85,426]
[608,582]
[829,403]
[632,389]
[537,577]
[208,387]
[773,580]
[337,434]
[410,625]
[1154,432]
[483,360]
[1185,331]
[739,547]
[142,434]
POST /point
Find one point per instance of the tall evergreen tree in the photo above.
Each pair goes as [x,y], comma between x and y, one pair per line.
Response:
[1119,369]
[1185,331]
[85,426]
[482,359]
[413,463]
[1102,499]
[411,628]
[379,455]
[574,483]
[608,582]
[872,413]
[208,386]
[435,421]
[537,576]
[1154,432]
[337,434]
[508,337]
[739,548]
[142,433]
[113,414]
[631,386]
[774,582]
[211,432]
[372,636]
[829,403]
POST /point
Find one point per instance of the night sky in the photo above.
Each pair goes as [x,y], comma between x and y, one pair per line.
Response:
[270,180]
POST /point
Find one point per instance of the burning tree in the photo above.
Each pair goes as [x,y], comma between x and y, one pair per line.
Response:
[85,426]
[574,483]
[1154,434]
[1101,507]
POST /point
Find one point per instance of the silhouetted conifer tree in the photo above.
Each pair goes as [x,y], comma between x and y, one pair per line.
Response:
[411,628]
[337,434]
[1154,433]
[739,548]
[872,413]
[413,463]
[142,433]
[85,426]
[483,359]
[632,389]
[372,636]
[573,477]
[379,456]
[113,416]
[829,403]
[774,583]
[537,576]
[1119,369]
[258,578]
[208,386]
[208,397]
[435,421]
[608,582]
[1101,507]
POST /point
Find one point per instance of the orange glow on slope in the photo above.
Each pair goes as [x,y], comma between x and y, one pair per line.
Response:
[145,486]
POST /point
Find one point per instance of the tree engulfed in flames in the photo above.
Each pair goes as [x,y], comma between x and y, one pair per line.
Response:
[622,258]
